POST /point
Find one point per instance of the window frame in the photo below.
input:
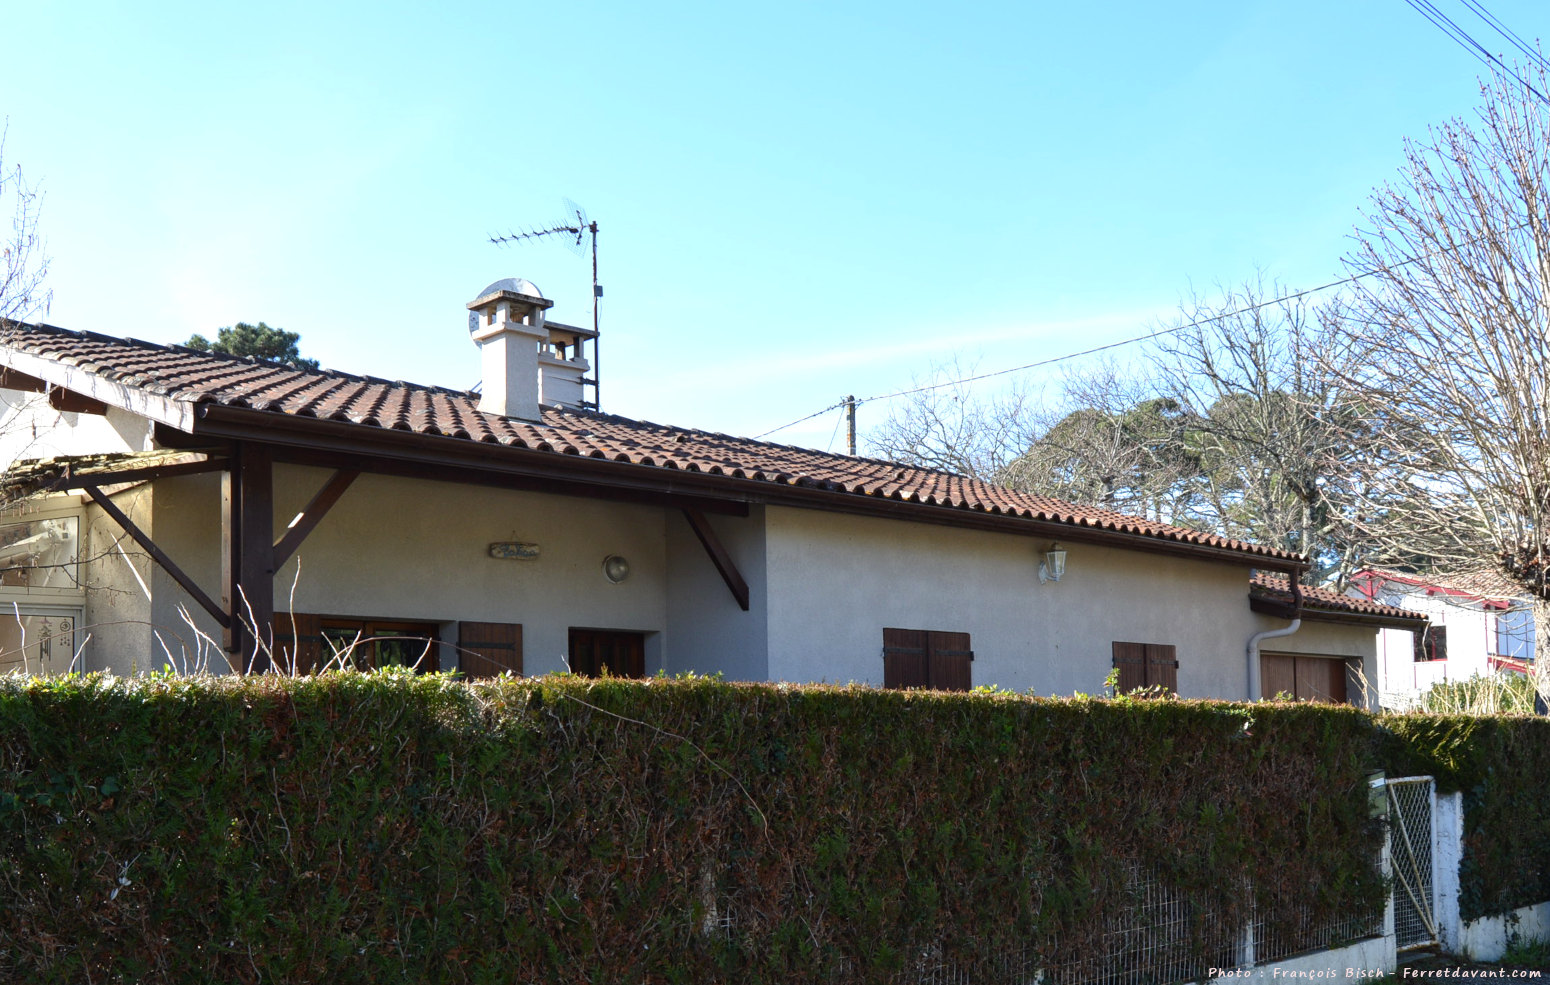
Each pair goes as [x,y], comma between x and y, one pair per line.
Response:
[53,508]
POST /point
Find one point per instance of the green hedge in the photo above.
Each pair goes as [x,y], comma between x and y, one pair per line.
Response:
[1501,764]
[393,828]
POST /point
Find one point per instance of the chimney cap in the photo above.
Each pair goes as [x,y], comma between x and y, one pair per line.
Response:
[512,287]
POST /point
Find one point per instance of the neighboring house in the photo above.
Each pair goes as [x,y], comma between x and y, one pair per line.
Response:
[1480,624]
[516,529]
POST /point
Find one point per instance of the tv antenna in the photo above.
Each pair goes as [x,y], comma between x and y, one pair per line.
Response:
[574,231]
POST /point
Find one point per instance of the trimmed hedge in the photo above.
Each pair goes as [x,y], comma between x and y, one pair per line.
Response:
[384,828]
[1501,763]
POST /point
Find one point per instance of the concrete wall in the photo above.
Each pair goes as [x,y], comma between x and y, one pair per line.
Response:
[419,550]
[706,629]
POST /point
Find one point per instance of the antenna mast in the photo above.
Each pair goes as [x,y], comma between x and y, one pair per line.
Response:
[576,228]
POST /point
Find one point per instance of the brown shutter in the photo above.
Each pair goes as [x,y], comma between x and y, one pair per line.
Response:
[905,662]
[1130,661]
[1277,675]
[948,661]
[1162,666]
[298,642]
[1321,679]
[486,649]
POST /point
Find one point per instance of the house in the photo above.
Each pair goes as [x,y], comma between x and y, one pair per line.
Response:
[1479,624]
[194,509]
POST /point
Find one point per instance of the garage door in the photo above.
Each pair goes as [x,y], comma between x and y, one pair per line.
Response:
[1305,677]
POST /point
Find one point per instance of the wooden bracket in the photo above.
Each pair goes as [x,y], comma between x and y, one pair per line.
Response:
[718,556]
[159,556]
[312,515]
[70,402]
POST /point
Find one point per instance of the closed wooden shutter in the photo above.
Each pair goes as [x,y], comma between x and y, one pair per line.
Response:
[949,661]
[1162,666]
[488,649]
[298,642]
[1130,661]
[1277,675]
[905,662]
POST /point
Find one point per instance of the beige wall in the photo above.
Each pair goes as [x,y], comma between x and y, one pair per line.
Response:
[836,581]
[414,549]
[707,630]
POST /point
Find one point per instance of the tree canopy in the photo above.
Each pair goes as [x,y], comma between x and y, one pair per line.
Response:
[274,345]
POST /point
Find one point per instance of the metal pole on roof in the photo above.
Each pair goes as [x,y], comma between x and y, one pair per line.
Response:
[850,423]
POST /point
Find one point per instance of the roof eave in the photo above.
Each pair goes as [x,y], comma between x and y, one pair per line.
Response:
[316,434]
[170,411]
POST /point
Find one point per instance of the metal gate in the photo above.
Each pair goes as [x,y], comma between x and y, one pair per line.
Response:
[1412,801]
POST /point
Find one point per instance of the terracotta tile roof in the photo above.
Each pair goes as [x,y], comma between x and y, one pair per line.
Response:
[1315,600]
[1486,586]
[184,375]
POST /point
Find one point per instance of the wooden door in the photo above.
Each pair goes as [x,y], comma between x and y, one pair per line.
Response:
[620,653]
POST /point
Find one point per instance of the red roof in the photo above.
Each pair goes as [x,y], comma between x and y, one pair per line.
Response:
[206,380]
[1325,600]
[1489,587]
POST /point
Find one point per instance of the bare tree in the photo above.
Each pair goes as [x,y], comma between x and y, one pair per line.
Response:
[947,425]
[23,262]
[1249,370]
[1447,344]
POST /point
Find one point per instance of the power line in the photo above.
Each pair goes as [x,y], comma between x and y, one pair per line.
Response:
[1077,355]
[1446,25]
[1528,50]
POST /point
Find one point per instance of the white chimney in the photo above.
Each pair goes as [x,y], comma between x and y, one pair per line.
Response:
[562,368]
[507,321]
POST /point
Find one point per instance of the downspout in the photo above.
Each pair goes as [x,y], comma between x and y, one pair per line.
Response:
[1252,649]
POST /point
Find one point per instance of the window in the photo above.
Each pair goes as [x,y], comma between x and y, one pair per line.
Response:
[1431,643]
[619,653]
[305,643]
[38,640]
[1143,665]
[1515,634]
[40,554]
[927,658]
[1303,677]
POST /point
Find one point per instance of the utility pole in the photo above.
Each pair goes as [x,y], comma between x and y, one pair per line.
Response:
[850,423]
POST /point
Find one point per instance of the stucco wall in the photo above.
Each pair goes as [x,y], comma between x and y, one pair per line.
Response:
[414,549]
[30,428]
[707,630]
[836,581]
[117,573]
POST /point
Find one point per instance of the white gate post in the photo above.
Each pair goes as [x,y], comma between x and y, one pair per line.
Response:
[1447,850]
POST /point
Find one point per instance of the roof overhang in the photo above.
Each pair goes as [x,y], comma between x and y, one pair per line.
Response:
[1284,610]
[310,440]
[84,380]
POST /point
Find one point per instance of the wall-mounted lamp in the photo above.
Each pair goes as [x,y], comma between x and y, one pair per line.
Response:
[615,568]
[1053,567]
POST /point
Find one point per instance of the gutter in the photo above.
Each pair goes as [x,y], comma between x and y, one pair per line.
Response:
[334,438]
[1251,649]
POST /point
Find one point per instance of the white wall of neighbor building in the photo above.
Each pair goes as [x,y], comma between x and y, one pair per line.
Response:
[707,631]
[1471,640]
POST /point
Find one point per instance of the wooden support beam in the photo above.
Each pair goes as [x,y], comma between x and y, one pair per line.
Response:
[10,379]
[314,512]
[718,556]
[158,555]
[70,402]
[247,555]
[112,477]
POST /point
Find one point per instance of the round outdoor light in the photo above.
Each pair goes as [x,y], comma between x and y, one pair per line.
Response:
[615,568]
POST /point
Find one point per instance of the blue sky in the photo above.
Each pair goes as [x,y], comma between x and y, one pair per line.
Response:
[796,201]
